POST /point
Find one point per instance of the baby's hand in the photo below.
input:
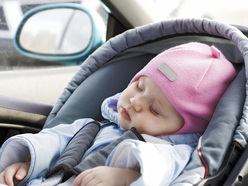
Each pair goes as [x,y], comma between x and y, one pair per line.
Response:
[15,173]
[108,176]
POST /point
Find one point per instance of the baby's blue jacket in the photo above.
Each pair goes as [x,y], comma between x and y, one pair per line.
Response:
[160,163]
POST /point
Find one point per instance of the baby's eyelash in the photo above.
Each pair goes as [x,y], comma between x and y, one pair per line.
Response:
[154,110]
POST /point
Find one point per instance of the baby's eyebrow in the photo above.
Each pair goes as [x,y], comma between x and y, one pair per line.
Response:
[141,82]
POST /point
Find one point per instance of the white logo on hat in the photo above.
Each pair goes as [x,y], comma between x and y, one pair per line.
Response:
[168,71]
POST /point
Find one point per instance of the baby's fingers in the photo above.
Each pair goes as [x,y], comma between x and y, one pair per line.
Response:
[2,178]
[14,173]
[22,171]
[80,179]
[7,177]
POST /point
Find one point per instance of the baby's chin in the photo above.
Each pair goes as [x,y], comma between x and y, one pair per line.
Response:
[123,123]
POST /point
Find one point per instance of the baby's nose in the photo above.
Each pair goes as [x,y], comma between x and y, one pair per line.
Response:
[138,103]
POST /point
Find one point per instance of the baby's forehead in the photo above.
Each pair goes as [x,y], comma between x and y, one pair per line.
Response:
[155,89]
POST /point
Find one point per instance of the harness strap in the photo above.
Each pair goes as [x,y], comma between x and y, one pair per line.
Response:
[99,159]
[75,149]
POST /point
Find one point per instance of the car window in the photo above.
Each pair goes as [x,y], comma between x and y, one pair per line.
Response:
[29,78]
[228,11]
[11,13]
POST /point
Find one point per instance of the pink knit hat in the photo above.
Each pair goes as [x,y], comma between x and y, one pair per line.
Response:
[193,77]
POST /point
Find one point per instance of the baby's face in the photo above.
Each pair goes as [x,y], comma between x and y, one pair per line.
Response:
[143,105]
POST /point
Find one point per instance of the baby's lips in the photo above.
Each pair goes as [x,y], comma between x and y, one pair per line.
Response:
[125,114]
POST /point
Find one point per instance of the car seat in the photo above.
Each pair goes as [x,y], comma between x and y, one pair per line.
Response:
[222,150]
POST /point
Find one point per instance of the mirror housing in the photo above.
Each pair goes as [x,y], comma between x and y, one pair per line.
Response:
[64,33]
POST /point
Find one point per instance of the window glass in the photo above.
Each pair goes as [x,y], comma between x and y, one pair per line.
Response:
[228,11]
[11,13]
[25,77]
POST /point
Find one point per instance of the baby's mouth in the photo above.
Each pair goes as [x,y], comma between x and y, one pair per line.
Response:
[125,114]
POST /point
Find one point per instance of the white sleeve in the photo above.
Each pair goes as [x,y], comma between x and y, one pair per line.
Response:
[159,164]
[43,148]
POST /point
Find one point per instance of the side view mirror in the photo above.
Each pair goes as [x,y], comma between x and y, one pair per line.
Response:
[60,32]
